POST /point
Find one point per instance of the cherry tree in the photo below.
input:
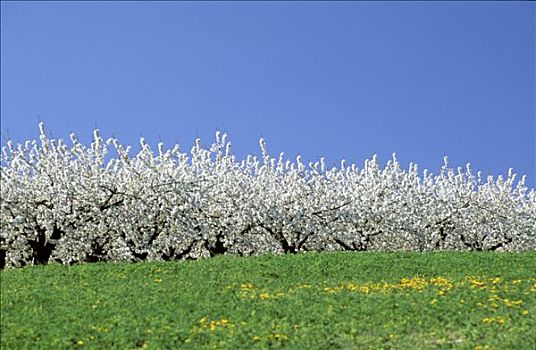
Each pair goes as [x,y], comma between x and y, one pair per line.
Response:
[67,204]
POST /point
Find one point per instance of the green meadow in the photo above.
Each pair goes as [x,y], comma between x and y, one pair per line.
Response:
[348,300]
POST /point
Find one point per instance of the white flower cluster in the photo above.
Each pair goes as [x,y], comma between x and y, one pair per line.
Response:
[67,204]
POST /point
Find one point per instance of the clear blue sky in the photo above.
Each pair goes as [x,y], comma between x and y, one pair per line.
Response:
[339,80]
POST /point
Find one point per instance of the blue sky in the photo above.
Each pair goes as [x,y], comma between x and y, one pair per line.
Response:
[333,79]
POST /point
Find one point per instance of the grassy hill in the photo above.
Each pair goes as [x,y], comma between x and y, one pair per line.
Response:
[348,300]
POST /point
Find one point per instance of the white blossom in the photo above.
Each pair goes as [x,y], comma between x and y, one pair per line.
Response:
[67,204]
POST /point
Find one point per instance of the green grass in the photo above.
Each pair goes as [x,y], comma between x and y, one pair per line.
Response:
[308,301]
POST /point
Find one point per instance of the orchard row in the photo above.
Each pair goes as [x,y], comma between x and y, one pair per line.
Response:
[68,203]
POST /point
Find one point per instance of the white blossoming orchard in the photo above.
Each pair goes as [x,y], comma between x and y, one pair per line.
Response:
[67,204]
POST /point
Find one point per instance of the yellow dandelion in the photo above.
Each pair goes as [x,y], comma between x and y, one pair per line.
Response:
[433,302]
[364,289]
[264,296]
[256,338]
[490,320]
[494,297]
[482,347]
[223,322]
[441,282]
[476,283]
[416,282]
[247,286]
[512,303]
[278,336]
[352,287]
[525,312]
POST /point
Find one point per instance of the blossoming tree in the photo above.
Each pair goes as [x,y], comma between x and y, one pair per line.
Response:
[67,204]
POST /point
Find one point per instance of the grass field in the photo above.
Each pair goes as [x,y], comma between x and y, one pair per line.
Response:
[306,301]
